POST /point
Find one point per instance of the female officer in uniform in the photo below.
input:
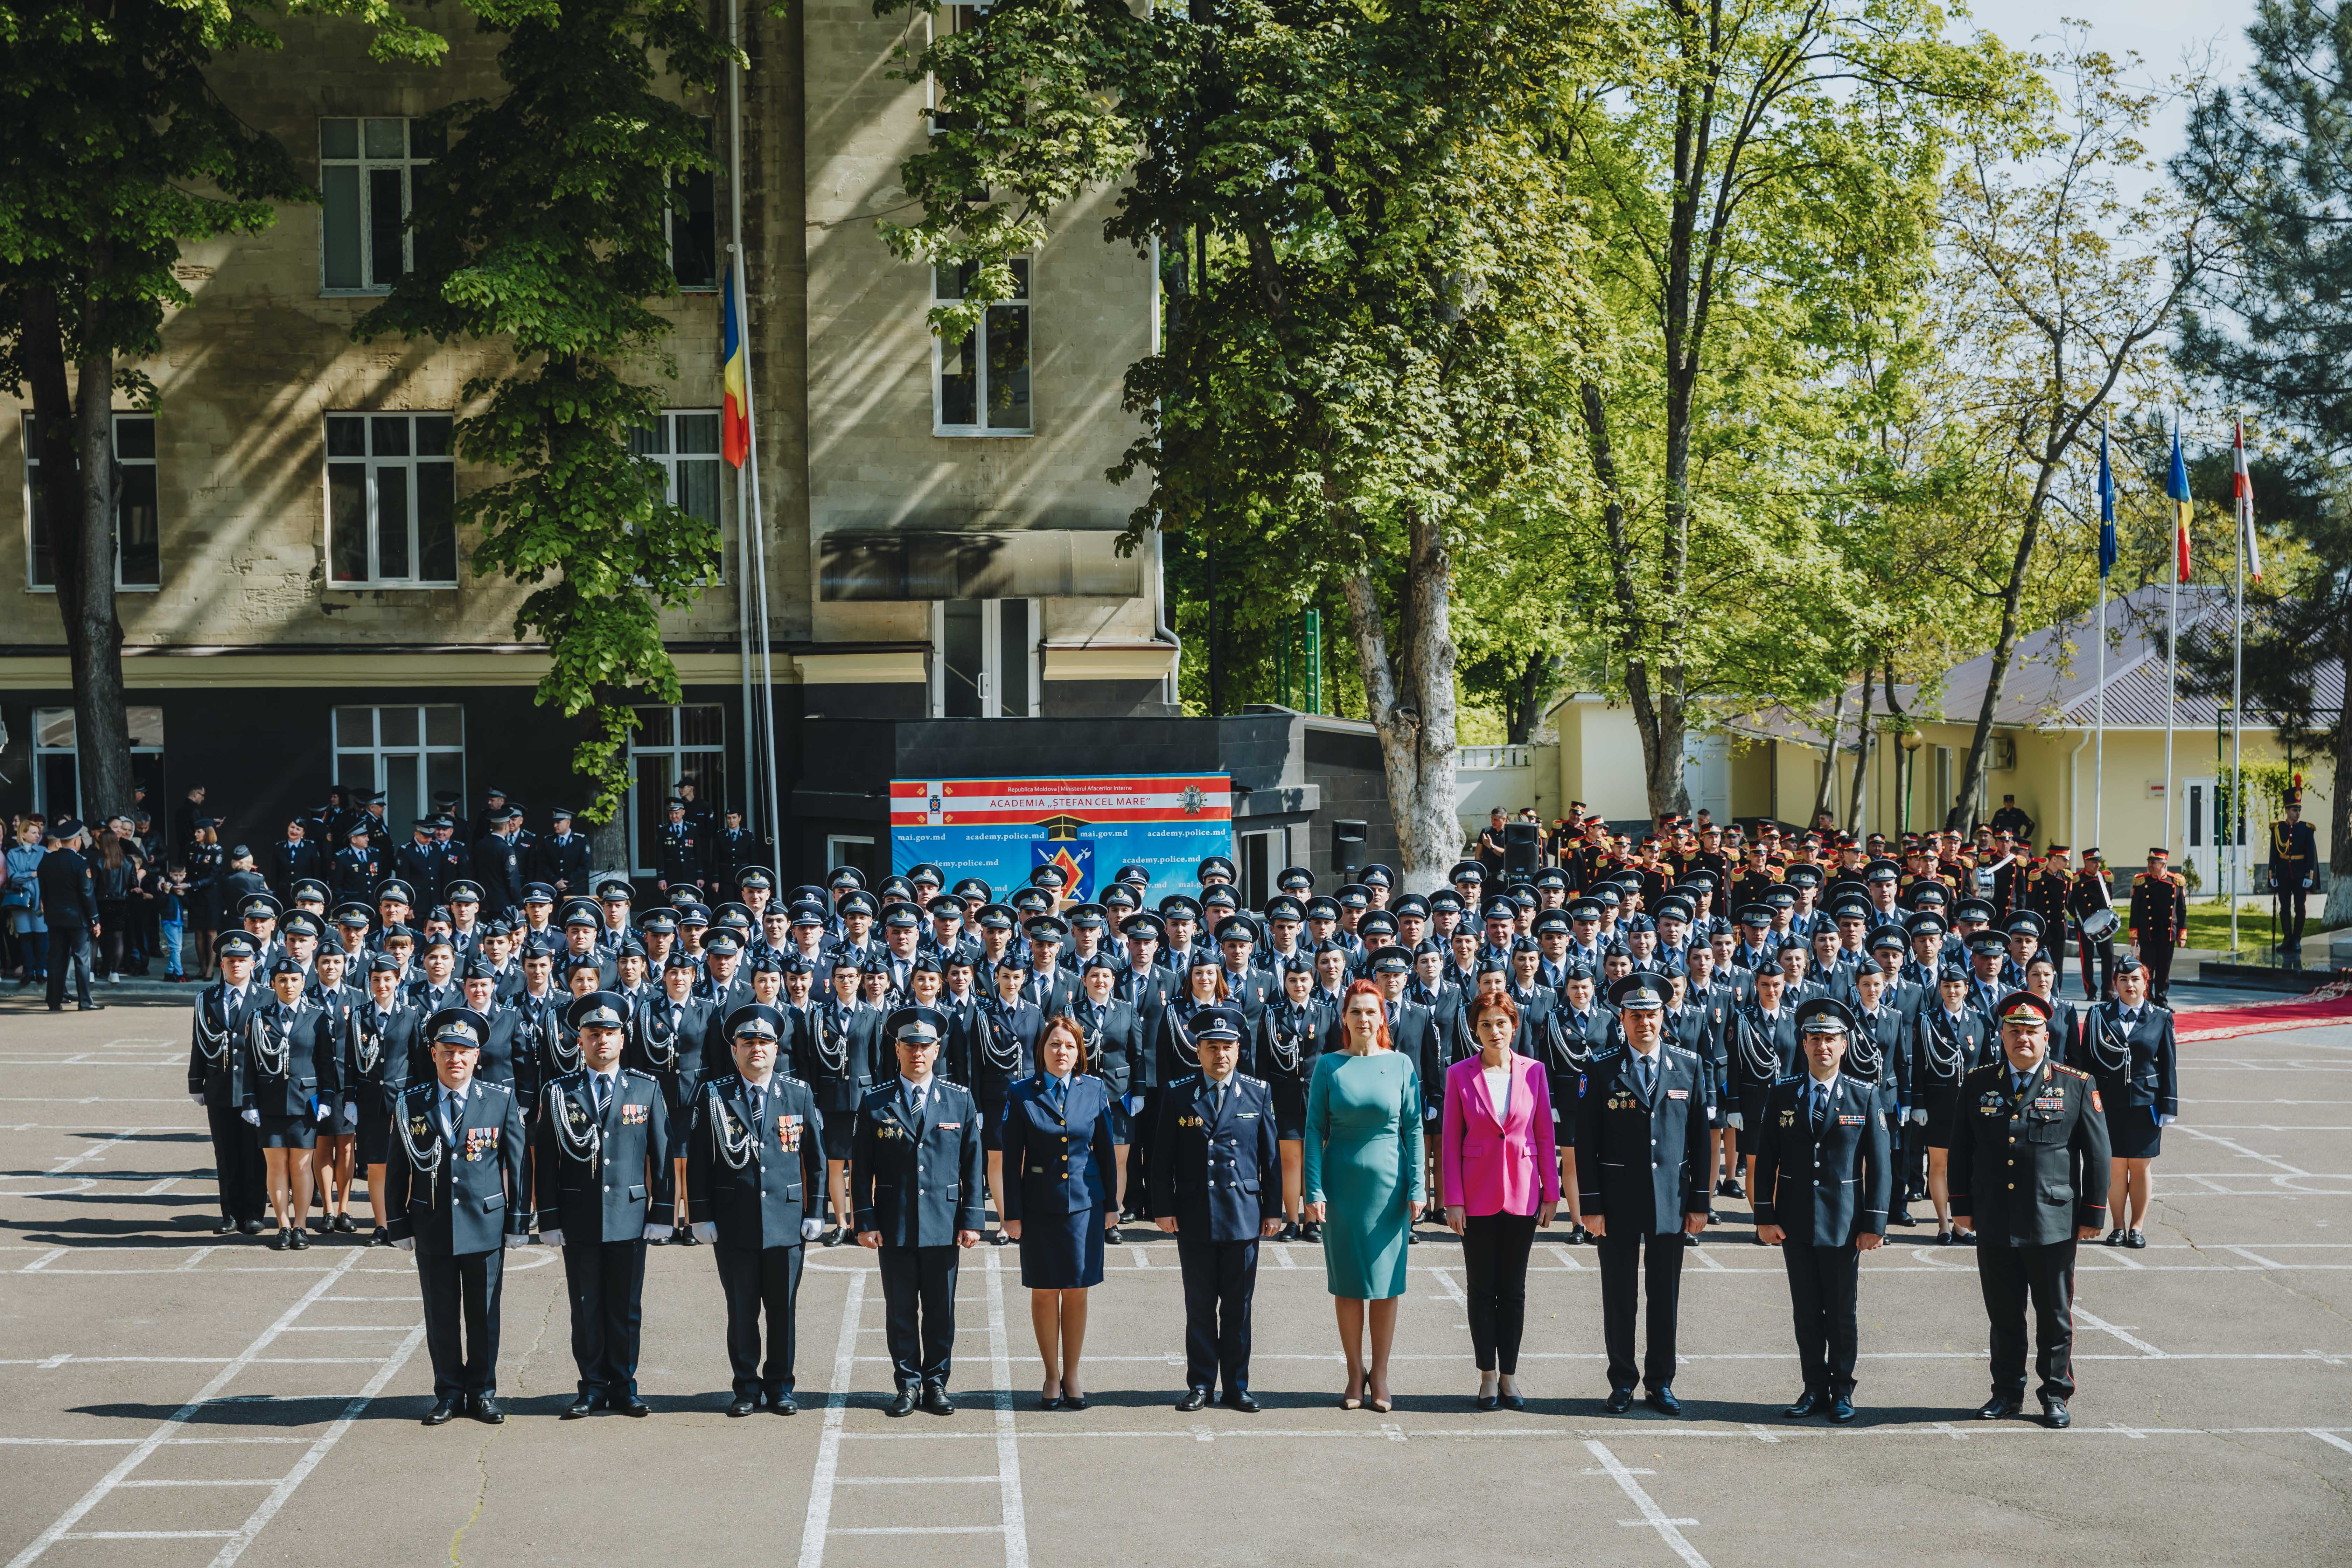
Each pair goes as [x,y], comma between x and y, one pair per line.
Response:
[1290,1037]
[288,1073]
[1060,1196]
[2129,1050]
[999,1050]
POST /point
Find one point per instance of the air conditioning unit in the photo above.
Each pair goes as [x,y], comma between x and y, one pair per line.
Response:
[2004,754]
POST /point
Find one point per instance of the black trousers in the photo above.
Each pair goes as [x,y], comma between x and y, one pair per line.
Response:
[2157,956]
[1142,1127]
[606,1282]
[1913,1176]
[2291,917]
[918,1287]
[1822,1283]
[1219,1279]
[1624,1258]
[768,1280]
[2009,1275]
[238,1165]
[69,949]
[465,1287]
[2103,954]
[1495,1249]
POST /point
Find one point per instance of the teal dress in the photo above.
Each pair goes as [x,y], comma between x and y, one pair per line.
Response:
[1364,1164]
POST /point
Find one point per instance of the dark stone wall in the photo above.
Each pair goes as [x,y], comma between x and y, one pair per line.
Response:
[1347,768]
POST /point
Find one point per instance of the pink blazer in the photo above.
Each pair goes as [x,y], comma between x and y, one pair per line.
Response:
[1498,1164]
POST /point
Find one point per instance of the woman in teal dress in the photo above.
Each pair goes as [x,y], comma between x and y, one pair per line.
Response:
[1363,1183]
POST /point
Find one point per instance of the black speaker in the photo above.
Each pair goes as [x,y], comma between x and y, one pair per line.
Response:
[1522,848]
[1348,847]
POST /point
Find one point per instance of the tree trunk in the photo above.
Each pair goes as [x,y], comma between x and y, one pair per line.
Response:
[1523,702]
[1416,722]
[1825,796]
[1657,709]
[1861,758]
[1972,771]
[94,633]
[1903,762]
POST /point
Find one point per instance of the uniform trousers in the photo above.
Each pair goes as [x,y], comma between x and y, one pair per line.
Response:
[1495,1248]
[2291,917]
[607,1280]
[2009,1275]
[237,1164]
[2103,954]
[69,949]
[767,1280]
[918,1285]
[1219,1279]
[1142,1125]
[462,1287]
[1625,1259]
[2157,956]
[1822,1285]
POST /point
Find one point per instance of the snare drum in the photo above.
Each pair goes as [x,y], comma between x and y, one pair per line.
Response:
[2100,925]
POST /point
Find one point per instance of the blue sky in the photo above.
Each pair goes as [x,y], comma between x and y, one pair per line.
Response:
[2162,31]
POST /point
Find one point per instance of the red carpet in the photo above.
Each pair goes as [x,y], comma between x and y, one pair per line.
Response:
[2221,1022]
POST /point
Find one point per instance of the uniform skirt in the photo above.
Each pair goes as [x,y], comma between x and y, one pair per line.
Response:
[1289,1110]
[992,1090]
[374,1131]
[1751,1103]
[287,1133]
[333,1123]
[1062,1252]
[2132,1132]
[1941,1102]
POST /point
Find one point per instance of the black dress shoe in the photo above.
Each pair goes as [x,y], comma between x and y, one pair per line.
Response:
[1239,1399]
[444,1411]
[1901,1216]
[902,1406]
[936,1400]
[1511,1401]
[781,1404]
[2135,1239]
[684,1236]
[1411,1238]
[253,1227]
[1943,1238]
[1312,1232]
[581,1408]
[630,1404]
[1620,1401]
[1999,1407]
[1841,1410]
[1965,1238]
[1689,1240]
[1664,1402]
[284,1241]
[836,1236]
[1289,1231]
[226,1226]
[1074,1402]
[998,1239]
[488,1411]
[1807,1404]
[744,1405]
[300,1239]
[1486,1401]
[2115,1237]
[343,1225]
[2054,1416]
[1194,1399]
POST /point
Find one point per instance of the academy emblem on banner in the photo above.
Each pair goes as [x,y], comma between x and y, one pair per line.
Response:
[1063,847]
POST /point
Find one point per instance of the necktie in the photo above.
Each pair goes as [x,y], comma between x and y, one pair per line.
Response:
[2016,1086]
[603,1095]
[1060,1091]
[1821,1104]
[1649,1076]
[915,1101]
[1216,1100]
[449,1104]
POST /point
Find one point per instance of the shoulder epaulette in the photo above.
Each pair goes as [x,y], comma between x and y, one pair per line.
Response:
[2072,1072]
[1683,1052]
[790,1079]
[507,1089]
[1188,1078]
[633,1072]
[1610,1053]
[1247,1078]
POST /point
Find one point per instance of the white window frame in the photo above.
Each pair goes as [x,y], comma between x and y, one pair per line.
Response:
[379,757]
[991,660]
[836,842]
[1027,301]
[32,482]
[669,457]
[408,164]
[1271,841]
[146,726]
[641,854]
[412,464]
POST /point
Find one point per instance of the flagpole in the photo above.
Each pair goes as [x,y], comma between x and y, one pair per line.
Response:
[2099,749]
[2244,513]
[742,479]
[2172,651]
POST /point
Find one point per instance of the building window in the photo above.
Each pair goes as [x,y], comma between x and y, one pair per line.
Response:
[411,754]
[984,660]
[367,171]
[138,538]
[685,744]
[392,502]
[981,386]
[691,220]
[853,849]
[685,443]
[1261,861]
[57,759]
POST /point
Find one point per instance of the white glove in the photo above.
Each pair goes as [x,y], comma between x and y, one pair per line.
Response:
[196,1099]
[810,1229]
[552,1238]
[406,1246]
[350,1111]
[1731,1119]
[2164,1121]
[515,1239]
[653,1233]
[706,1232]
[251,1117]
[1919,1117]
[1134,1103]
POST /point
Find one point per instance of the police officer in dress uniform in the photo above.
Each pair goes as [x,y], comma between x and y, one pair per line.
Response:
[457,1196]
[755,1174]
[2294,866]
[223,1010]
[1216,1187]
[1641,1164]
[2029,1166]
[1824,1180]
[602,1175]
[915,1185]
[2159,922]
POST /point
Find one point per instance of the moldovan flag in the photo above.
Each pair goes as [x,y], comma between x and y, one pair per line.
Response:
[734,421]
[2177,488]
[2241,488]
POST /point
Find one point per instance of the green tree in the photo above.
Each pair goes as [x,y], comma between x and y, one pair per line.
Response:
[542,227]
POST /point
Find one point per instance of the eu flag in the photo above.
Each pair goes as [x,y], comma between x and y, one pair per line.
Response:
[2106,507]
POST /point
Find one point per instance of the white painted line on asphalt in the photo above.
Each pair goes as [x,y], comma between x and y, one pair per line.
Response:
[2236,1148]
[2331,1439]
[264,1481]
[148,1535]
[1628,1430]
[178,1418]
[836,1409]
[1654,1517]
[1008,1453]
[2083,1315]
[1567,1259]
[2256,1258]
[918,1529]
[987,1480]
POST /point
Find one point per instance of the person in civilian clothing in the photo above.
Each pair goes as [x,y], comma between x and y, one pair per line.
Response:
[1499,1175]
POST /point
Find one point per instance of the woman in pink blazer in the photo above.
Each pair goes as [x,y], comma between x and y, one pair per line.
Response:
[1501,1180]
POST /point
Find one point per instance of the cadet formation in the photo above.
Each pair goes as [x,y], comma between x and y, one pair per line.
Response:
[1837,1032]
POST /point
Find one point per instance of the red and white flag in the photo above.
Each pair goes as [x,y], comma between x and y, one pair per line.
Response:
[2241,488]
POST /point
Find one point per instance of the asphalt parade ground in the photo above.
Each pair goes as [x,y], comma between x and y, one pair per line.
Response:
[169,1399]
